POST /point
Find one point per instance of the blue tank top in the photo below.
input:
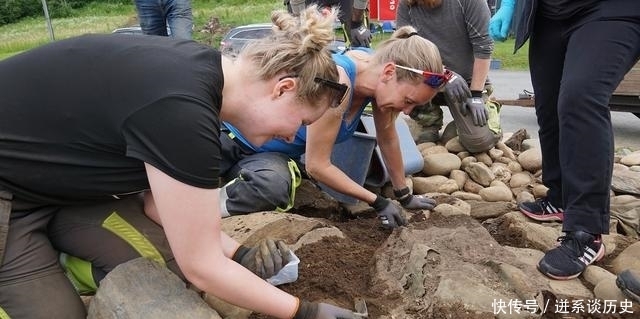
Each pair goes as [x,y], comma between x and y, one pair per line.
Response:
[297,147]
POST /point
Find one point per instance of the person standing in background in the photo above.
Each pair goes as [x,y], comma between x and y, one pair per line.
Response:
[460,30]
[579,51]
[156,16]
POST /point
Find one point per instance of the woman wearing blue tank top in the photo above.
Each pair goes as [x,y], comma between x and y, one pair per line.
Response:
[404,71]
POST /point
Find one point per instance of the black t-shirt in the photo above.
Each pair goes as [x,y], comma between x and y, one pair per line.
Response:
[79,117]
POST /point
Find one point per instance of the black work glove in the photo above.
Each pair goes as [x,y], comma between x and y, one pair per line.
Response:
[313,310]
[360,35]
[265,259]
[409,201]
[457,89]
[389,213]
[475,106]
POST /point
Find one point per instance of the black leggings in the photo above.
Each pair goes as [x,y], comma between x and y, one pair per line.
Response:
[575,67]
[32,284]
[94,239]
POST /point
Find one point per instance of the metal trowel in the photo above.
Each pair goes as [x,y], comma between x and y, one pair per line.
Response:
[361,308]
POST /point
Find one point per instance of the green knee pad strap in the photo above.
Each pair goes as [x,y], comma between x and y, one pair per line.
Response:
[3,314]
[133,237]
[79,270]
[296,179]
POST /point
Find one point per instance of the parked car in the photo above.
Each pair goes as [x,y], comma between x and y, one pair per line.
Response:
[238,37]
[136,29]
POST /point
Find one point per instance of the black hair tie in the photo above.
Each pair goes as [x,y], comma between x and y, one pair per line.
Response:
[412,34]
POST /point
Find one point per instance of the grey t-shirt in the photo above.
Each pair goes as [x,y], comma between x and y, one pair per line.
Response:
[460,29]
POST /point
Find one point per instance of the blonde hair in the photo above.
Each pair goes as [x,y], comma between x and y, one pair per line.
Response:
[298,45]
[407,48]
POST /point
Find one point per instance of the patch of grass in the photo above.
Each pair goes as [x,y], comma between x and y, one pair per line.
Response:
[503,51]
[99,17]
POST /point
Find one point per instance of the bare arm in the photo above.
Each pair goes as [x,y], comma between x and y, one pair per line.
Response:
[480,72]
[477,17]
[321,137]
[229,245]
[389,143]
[191,221]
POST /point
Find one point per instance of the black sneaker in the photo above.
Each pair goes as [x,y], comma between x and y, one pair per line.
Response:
[576,251]
[629,282]
[542,210]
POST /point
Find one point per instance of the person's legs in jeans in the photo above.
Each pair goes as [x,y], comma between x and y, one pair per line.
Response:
[152,17]
[179,18]
[32,284]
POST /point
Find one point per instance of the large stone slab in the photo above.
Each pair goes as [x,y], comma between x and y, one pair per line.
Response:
[144,289]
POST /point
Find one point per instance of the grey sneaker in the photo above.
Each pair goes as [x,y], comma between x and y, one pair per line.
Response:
[629,282]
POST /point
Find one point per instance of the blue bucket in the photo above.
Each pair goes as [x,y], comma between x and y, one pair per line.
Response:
[411,157]
[353,157]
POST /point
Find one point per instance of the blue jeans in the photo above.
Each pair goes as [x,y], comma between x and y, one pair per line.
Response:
[158,15]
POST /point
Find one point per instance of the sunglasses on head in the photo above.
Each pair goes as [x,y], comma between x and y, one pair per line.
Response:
[434,80]
[338,90]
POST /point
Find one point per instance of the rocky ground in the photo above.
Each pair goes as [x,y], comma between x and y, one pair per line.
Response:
[473,256]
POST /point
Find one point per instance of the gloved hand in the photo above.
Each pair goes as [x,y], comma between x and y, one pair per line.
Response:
[457,89]
[409,201]
[389,213]
[313,310]
[501,21]
[360,35]
[265,259]
[475,106]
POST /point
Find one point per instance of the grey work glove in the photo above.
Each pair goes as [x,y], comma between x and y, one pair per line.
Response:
[457,89]
[360,35]
[409,201]
[389,213]
[475,106]
[313,310]
[265,259]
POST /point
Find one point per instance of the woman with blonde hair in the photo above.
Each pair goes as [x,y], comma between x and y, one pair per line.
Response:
[92,119]
[404,71]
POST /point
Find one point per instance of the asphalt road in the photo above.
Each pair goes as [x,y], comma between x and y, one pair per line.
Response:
[508,84]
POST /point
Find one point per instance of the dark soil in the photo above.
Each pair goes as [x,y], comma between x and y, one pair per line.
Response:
[337,271]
